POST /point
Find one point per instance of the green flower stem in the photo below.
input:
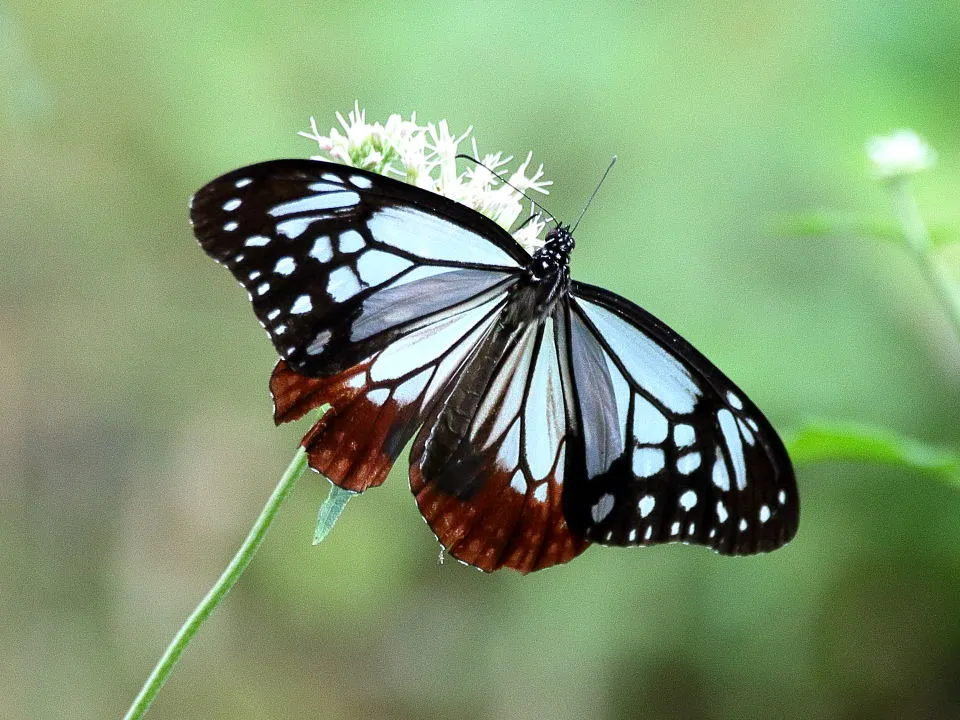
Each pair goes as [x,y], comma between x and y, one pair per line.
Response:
[226,581]
[921,245]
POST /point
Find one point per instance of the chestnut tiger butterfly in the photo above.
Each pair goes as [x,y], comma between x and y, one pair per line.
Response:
[546,414]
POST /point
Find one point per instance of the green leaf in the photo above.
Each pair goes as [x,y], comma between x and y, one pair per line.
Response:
[826,224]
[827,442]
[330,511]
[944,235]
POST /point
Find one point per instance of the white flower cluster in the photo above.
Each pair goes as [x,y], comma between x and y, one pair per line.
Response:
[902,153]
[425,156]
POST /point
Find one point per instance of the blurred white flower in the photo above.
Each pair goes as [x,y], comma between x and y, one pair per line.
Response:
[902,153]
[425,156]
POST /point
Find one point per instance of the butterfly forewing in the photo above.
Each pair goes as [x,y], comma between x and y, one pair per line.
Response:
[373,292]
[339,262]
[673,450]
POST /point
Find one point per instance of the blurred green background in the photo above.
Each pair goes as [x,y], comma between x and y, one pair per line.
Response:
[136,441]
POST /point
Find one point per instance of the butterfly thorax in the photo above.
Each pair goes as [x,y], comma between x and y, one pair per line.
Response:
[549,269]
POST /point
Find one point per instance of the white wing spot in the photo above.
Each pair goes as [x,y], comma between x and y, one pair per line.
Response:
[649,424]
[722,513]
[302,305]
[231,205]
[350,241]
[518,482]
[257,241]
[294,228]
[688,500]
[622,393]
[721,478]
[342,284]
[753,424]
[254,275]
[691,528]
[728,427]
[633,535]
[319,343]
[411,390]
[321,249]
[262,288]
[688,463]
[312,203]
[508,455]
[239,257]
[376,266]
[361,182]
[603,507]
[743,525]
[280,329]
[242,182]
[230,226]
[782,497]
[436,238]
[646,505]
[684,435]
[675,529]
[647,462]
[651,365]
[379,396]
[544,412]
[273,314]
[713,532]
[746,432]
[323,187]
[356,381]
[764,513]
[735,402]
[649,533]
[540,492]
[505,406]
[285,266]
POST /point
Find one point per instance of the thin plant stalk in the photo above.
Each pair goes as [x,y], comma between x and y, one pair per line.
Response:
[220,589]
[921,247]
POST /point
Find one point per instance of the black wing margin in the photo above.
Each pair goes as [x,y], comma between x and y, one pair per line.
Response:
[674,451]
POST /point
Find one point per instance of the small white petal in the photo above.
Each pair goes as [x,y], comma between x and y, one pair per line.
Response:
[902,153]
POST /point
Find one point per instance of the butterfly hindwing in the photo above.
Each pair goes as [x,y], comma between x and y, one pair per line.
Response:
[488,468]
[378,404]
[673,450]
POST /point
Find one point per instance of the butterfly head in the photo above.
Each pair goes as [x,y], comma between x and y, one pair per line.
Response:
[552,260]
[561,239]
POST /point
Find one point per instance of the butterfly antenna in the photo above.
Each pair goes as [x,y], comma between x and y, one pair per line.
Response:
[502,179]
[583,212]
[530,219]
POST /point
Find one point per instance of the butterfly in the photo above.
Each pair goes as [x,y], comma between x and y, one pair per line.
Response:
[546,414]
